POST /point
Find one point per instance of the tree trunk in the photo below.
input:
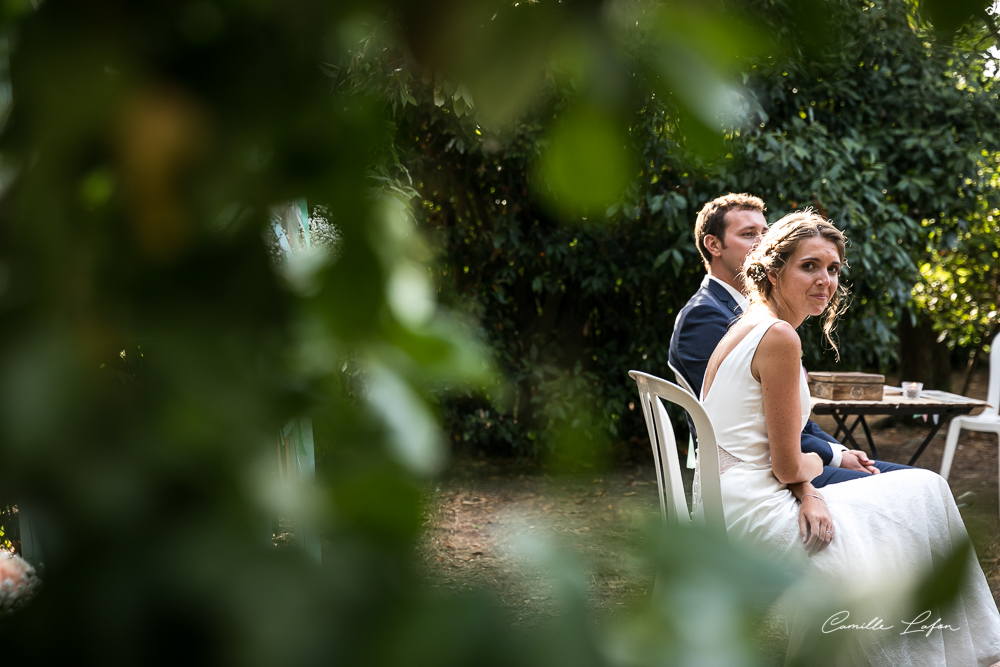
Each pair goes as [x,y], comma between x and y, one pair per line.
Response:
[921,357]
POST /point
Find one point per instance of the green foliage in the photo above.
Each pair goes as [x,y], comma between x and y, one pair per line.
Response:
[891,135]
[961,283]
[959,275]
[151,347]
[881,127]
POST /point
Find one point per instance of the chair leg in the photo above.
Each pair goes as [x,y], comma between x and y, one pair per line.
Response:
[949,448]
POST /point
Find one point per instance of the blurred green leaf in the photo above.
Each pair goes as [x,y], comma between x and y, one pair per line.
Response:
[96,188]
[378,502]
[712,31]
[414,435]
[944,583]
[586,164]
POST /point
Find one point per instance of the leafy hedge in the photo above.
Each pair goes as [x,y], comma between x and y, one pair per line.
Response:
[887,130]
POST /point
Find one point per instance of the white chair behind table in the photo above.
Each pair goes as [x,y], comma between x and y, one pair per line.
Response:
[673,504]
[987,421]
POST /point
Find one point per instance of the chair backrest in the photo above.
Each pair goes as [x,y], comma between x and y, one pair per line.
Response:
[673,505]
[681,381]
[993,393]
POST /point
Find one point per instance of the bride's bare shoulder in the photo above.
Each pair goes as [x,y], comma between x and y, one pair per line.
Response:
[780,337]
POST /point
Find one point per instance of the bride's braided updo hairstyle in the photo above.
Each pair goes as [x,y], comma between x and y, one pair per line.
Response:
[778,244]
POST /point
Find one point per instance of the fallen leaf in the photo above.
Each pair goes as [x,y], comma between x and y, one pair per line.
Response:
[449,545]
[630,493]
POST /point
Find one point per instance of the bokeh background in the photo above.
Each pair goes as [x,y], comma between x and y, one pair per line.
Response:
[502,195]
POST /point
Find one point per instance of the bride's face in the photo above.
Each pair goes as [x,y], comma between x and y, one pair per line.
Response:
[810,277]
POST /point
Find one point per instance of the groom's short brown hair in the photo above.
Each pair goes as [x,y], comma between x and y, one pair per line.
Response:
[712,219]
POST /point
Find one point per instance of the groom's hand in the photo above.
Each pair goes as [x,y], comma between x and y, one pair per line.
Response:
[855,459]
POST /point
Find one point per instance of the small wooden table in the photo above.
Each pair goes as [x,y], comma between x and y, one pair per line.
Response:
[940,403]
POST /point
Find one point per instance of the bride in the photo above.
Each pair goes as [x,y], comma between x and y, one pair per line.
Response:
[874,536]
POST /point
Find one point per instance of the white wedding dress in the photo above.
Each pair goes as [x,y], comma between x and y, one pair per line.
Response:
[890,530]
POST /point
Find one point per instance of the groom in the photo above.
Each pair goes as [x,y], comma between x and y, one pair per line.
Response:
[725,230]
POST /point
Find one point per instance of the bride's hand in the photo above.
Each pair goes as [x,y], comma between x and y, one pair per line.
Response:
[815,524]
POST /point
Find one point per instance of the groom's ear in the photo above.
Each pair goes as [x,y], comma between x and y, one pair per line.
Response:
[714,245]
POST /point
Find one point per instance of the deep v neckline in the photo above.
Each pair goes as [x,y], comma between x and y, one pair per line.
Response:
[769,322]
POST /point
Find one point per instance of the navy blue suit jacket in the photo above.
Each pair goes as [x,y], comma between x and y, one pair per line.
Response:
[699,327]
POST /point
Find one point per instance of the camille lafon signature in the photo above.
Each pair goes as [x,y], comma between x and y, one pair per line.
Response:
[839,622]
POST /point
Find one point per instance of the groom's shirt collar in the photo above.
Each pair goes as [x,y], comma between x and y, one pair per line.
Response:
[743,302]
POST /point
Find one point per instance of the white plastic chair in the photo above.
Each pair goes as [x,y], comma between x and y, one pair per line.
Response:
[684,383]
[987,421]
[681,381]
[673,504]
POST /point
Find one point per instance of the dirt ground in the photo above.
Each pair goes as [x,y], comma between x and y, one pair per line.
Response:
[482,519]
[482,516]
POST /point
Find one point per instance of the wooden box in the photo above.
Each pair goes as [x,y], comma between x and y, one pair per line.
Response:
[847,386]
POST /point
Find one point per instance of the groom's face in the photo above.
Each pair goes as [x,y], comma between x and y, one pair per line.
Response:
[743,232]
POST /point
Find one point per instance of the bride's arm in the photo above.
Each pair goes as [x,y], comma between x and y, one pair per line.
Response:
[776,364]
